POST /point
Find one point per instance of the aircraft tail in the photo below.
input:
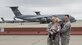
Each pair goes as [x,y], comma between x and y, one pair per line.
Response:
[2,19]
[37,12]
[16,11]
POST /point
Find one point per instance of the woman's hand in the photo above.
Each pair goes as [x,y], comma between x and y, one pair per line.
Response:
[51,33]
[54,31]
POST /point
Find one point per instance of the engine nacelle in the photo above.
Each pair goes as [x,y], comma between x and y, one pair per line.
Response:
[44,20]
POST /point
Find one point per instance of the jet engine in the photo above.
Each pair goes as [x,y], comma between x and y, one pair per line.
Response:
[44,20]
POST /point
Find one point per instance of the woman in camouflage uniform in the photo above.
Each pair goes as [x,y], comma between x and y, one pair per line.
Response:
[53,31]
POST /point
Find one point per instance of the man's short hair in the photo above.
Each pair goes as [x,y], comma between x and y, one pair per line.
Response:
[67,16]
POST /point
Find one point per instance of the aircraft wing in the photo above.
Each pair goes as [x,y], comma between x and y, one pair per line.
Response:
[36,17]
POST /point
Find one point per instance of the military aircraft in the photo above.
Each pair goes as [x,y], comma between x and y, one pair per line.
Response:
[38,17]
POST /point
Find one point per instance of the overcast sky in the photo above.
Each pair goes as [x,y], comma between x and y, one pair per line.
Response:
[72,7]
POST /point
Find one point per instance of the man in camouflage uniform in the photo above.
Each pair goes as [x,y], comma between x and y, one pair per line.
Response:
[65,31]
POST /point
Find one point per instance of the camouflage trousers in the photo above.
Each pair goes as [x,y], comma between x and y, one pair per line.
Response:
[65,40]
[59,40]
[50,41]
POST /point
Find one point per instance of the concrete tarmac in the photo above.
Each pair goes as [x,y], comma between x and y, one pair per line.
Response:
[33,24]
[34,40]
